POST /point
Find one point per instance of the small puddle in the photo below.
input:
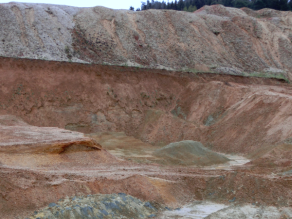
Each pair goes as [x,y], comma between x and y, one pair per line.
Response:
[235,160]
[193,211]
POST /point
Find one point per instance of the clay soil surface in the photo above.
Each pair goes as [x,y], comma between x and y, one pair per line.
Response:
[72,129]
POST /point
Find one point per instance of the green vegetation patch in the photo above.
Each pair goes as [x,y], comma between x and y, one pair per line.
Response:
[279,76]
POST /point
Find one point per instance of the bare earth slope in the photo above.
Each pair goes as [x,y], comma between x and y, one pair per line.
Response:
[226,113]
[216,38]
[231,114]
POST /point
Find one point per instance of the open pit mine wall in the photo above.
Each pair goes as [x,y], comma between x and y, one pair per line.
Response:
[232,114]
[214,38]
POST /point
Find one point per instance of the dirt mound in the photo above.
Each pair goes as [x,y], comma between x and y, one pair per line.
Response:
[189,153]
[214,38]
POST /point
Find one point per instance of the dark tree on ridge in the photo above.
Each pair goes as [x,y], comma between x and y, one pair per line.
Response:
[192,5]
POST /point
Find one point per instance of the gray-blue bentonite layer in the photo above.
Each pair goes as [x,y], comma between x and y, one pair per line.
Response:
[98,207]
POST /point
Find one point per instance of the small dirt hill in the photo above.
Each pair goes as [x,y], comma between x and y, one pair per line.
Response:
[214,38]
[189,153]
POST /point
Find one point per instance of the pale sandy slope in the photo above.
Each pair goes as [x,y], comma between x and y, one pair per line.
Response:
[214,38]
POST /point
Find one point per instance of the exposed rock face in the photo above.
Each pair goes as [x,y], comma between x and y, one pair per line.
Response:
[189,153]
[214,38]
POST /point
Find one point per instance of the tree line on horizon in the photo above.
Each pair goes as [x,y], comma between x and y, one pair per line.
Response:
[192,5]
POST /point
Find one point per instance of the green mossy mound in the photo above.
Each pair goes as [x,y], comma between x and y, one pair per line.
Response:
[189,153]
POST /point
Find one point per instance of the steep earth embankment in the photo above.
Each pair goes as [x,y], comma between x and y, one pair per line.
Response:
[214,38]
[226,113]
[230,114]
